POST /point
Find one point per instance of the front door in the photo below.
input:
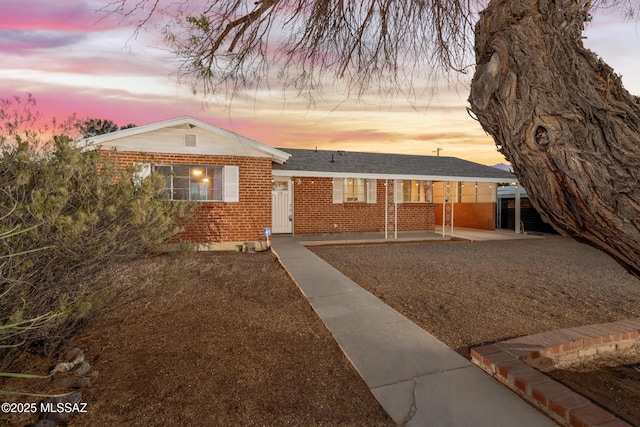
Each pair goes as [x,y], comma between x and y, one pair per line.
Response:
[281,212]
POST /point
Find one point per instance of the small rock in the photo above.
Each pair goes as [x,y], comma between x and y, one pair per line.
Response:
[75,356]
[71,359]
[82,369]
[61,367]
[53,402]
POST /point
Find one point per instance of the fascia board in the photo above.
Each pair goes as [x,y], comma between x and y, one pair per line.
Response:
[312,174]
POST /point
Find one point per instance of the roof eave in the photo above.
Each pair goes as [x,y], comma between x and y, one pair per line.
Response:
[324,174]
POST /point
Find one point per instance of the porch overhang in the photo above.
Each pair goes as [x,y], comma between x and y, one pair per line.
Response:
[322,174]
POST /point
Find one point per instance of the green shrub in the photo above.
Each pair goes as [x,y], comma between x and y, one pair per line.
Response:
[85,212]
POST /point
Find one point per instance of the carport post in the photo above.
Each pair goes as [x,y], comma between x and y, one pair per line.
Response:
[517,215]
[386,208]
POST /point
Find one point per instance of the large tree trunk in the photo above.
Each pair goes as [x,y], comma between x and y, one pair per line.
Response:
[563,119]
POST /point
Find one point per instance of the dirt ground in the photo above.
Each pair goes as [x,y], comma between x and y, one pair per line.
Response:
[612,381]
[212,339]
[471,293]
[227,339]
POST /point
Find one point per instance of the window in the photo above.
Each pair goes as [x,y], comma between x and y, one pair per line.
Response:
[197,183]
[464,192]
[141,172]
[416,191]
[353,190]
[476,192]
[486,192]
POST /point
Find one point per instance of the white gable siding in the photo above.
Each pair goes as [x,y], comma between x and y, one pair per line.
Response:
[172,140]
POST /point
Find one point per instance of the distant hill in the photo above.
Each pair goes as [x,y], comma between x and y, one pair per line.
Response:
[504,167]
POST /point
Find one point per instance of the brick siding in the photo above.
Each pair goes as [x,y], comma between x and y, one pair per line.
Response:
[481,216]
[315,212]
[222,221]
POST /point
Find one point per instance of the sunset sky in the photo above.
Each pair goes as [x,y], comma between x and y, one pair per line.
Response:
[74,62]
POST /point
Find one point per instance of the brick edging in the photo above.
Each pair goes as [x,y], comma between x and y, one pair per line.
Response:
[519,364]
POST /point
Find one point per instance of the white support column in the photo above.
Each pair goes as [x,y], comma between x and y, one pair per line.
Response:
[397,192]
[452,204]
[444,208]
[517,214]
[448,198]
[391,208]
[386,208]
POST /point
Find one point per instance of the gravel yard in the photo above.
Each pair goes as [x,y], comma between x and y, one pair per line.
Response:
[471,293]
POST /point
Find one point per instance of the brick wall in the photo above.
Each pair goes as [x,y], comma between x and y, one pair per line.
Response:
[315,212]
[519,364]
[222,221]
[416,217]
[470,215]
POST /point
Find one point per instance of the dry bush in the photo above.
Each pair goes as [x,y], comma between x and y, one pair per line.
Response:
[83,221]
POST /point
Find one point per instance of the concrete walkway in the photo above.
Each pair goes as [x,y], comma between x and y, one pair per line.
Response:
[418,380]
[483,235]
[410,236]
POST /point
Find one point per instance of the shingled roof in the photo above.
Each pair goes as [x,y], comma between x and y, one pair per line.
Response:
[379,165]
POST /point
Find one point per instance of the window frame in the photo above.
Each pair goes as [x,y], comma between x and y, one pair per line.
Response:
[426,187]
[476,192]
[214,191]
[339,195]
[357,187]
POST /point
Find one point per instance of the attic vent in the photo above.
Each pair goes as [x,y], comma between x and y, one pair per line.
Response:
[190,141]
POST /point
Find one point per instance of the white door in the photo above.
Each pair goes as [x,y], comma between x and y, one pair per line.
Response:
[281,212]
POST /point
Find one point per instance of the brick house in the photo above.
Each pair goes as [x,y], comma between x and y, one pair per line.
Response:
[245,186]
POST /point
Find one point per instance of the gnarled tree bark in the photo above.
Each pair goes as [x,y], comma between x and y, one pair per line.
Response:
[563,119]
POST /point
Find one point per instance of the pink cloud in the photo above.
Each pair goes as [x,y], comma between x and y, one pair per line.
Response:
[61,15]
[117,64]
[19,42]
[121,108]
[275,134]
[61,104]
[285,132]
[26,25]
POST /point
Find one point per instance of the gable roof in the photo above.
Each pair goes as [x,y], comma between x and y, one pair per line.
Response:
[218,141]
[393,166]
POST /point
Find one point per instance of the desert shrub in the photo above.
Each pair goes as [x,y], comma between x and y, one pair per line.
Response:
[85,213]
